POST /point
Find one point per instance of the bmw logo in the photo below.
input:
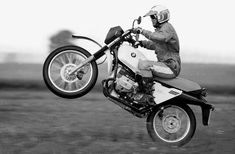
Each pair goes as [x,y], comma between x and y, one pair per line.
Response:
[133,55]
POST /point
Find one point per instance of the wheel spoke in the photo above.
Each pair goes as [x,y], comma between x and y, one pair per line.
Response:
[80,83]
[62,64]
[55,67]
[172,124]
[167,136]
[59,62]
[69,86]
[65,85]
[78,61]
[86,68]
[177,113]
[66,58]
[60,58]
[73,86]
[55,72]
[173,136]
[59,81]
[74,61]
[72,58]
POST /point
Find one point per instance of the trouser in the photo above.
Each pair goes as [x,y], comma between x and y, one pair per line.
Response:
[158,69]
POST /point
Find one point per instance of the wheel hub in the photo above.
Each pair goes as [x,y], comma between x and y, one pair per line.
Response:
[66,69]
[171,123]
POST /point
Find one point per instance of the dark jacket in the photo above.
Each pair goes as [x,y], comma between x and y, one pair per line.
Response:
[165,42]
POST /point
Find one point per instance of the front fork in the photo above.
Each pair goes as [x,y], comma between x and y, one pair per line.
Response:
[88,60]
[95,56]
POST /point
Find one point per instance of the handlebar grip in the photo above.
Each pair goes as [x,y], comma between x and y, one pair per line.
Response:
[138,31]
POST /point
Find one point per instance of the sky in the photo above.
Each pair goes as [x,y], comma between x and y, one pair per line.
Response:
[205,27]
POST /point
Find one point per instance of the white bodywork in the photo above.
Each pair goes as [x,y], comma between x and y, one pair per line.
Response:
[162,94]
[130,57]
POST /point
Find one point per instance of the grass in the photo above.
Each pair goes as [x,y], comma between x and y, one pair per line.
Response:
[36,122]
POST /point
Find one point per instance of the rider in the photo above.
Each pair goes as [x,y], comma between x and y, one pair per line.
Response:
[164,41]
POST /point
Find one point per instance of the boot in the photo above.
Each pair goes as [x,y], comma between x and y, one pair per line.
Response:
[144,99]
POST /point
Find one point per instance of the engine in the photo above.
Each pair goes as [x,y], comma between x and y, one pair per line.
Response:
[127,86]
[125,81]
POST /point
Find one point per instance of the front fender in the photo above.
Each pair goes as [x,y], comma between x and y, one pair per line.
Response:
[93,41]
[205,107]
[87,38]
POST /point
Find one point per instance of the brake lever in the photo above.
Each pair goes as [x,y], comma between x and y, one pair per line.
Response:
[137,36]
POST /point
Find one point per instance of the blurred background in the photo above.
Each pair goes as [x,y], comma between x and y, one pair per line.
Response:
[30,30]
[33,120]
[205,28]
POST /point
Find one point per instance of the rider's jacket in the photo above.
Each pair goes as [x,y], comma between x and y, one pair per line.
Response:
[165,42]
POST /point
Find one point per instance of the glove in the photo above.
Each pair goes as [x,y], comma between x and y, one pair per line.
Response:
[137,30]
[138,43]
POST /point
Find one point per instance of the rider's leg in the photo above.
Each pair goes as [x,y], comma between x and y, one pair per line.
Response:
[158,69]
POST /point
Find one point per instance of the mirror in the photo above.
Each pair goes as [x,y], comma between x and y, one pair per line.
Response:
[139,20]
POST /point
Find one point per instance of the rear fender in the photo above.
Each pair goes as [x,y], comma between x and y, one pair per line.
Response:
[205,107]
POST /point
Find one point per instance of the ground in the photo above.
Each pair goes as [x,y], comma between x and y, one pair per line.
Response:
[38,122]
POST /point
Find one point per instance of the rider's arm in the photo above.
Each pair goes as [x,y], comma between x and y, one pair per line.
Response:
[148,44]
[158,36]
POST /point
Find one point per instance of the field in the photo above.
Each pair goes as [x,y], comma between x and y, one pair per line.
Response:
[35,121]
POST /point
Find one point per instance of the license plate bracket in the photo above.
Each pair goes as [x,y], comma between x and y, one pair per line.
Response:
[206,113]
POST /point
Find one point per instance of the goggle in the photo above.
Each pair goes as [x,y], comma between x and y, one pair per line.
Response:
[153,17]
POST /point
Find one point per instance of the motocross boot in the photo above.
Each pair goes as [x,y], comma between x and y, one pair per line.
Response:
[147,83]
[144,99]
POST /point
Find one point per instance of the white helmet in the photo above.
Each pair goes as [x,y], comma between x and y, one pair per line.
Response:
[159,12]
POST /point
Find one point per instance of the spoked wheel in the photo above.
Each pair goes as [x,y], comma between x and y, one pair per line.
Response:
[173,125]
[60,63]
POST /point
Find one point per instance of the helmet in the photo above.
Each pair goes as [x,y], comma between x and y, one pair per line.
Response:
[159,12]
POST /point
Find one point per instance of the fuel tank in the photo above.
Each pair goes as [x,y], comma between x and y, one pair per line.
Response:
[130,57]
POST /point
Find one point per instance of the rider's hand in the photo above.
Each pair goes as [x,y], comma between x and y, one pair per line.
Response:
[138,43]
[137,30]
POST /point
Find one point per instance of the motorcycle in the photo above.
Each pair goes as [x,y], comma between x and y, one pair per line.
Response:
[71,72]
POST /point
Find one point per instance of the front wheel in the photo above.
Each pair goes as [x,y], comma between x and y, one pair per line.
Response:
[172,124]
[56,70]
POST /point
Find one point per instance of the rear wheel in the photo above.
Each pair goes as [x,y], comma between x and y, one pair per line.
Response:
[57,67]
[172,124]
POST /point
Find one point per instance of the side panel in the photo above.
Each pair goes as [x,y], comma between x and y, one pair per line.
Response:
[162,94]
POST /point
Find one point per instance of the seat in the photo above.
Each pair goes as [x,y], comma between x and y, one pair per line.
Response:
[180,83]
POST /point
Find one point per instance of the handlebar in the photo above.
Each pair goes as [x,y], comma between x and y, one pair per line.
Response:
[129,38]
[138,20]
[137,36]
